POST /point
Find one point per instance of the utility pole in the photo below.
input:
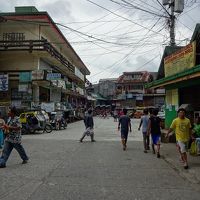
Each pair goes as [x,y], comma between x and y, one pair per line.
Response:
[172,24]
[176,6]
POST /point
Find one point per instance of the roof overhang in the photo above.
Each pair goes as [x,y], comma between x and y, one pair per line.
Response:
[177,78]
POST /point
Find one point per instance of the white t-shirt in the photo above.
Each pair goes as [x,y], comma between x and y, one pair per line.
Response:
[145,121]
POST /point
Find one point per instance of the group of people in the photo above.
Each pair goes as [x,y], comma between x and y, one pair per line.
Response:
[12,132]
[182,127]
[150,124]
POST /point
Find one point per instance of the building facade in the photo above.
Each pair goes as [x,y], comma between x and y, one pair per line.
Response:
[37,62]
[180,76]
[131,90]
[107,88]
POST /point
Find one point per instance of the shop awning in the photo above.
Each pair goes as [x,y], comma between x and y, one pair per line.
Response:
[177,78]
[98,97]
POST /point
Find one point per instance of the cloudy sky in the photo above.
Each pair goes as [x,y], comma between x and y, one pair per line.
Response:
[113,36]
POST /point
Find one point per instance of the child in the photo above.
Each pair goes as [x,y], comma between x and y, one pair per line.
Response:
[154,130]
[125,123]
[2,123]
[144,123]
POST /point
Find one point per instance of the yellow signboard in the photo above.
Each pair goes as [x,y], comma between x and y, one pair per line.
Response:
[181,60]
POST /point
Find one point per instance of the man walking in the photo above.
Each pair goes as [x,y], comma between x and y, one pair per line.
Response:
[13,139]
[155,131]
[125,124]
[182,127]
[144,124]
[89,125]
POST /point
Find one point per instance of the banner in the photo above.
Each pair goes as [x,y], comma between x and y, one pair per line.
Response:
[23,87]
[48,107]
[139,97]
[25,76]
[38,75]
[53,76]
[181,60]
[3,82]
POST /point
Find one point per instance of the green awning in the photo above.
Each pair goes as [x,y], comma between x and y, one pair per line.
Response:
[166,81]
[98,97]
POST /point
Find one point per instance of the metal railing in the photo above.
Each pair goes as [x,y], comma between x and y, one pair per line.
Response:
[35,45]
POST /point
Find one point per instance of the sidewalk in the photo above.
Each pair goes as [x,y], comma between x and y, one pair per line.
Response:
[171,156]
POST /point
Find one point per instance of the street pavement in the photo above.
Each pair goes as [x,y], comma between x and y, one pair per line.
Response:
[61,168]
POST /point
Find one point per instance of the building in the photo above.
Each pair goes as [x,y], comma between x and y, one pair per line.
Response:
[104,92]
[132,93]
[179,74]
[37,63]
[107,88]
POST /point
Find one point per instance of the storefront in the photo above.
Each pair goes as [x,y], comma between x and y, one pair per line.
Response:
[181,79]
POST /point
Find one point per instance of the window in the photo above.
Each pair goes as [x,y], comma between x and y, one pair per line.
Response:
[137,87]
[13,36]
[136,76]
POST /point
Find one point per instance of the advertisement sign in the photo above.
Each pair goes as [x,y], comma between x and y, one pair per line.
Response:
[3,82]
[25,76]
[16,103]
[139,97]
[23,87]
[38,75]
[53,76]
[79,74]
[129,96]
[62,84]
[59,83]
[181,60]
[48,107]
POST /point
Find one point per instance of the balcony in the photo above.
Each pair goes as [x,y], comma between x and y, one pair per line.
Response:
[36,45]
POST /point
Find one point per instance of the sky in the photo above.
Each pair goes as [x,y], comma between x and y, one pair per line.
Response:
[116,36]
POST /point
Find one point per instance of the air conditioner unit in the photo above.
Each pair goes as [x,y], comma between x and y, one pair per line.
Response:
[178,6]
[165,2]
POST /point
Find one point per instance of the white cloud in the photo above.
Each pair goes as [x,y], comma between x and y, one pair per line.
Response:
[137,45]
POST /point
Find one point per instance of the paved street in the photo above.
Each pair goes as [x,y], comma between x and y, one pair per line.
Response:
[62,168]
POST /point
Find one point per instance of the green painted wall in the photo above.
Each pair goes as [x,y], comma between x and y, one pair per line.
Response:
[170,115]
[172,102]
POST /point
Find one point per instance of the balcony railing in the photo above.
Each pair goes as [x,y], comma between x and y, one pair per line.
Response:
[35,45]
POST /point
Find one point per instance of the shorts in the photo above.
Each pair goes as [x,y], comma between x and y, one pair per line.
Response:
[155,139]
[124,134]
[89,131]
[182,146]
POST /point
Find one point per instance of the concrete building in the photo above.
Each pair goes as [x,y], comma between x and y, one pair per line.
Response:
[132,93]
[107,87]
[37,61]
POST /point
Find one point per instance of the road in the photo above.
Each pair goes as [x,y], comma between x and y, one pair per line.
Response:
[61,168]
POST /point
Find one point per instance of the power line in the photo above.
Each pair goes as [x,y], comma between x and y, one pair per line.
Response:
[138,8]
[123,17]
[164,8]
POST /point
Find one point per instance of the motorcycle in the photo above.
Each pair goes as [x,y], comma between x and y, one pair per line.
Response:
[33,122]
[57,120]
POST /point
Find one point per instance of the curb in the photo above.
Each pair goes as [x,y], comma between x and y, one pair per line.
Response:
[188,174]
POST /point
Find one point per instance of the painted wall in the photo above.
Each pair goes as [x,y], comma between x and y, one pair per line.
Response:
[17,61]
[172,103]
